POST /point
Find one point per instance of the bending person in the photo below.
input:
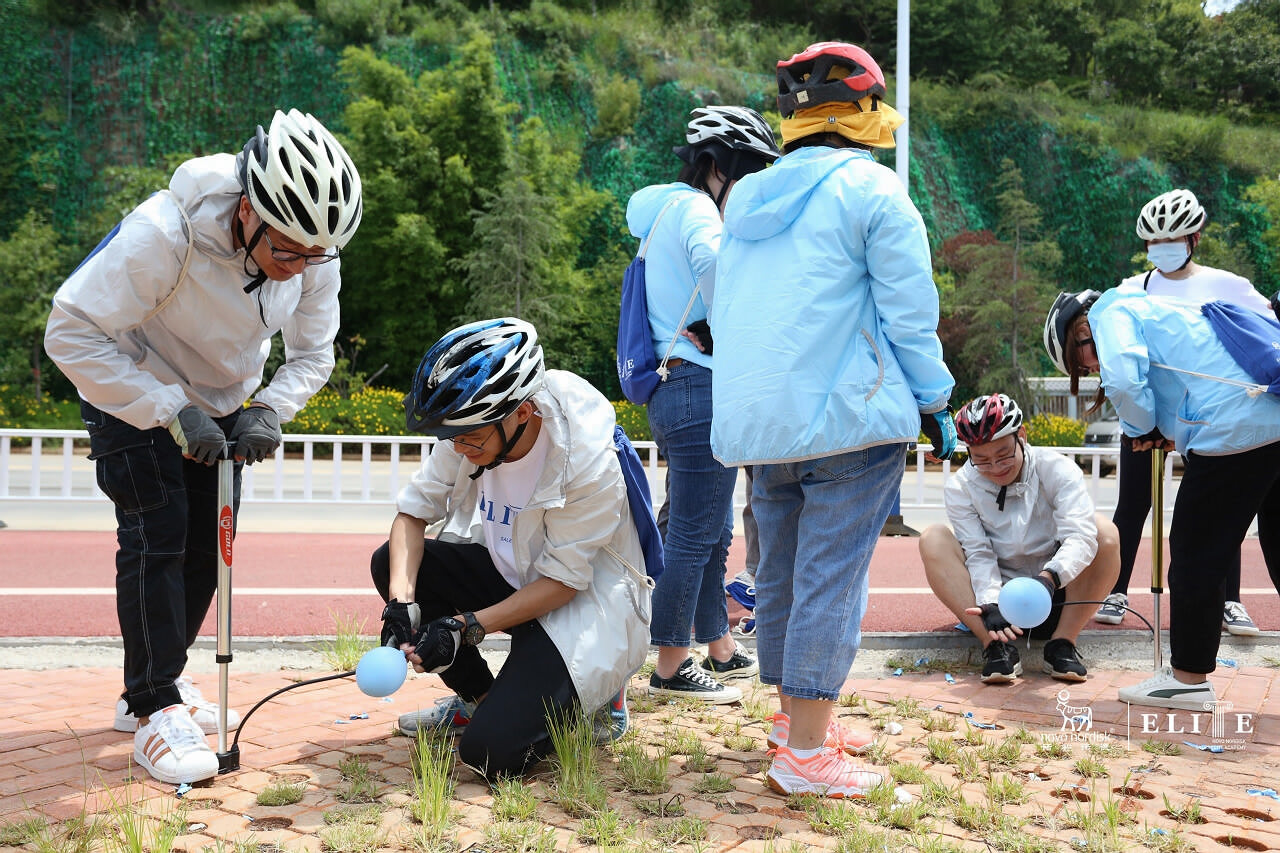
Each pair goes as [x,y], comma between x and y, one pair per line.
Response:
[1175,386]
[1170,226]
[165,330]
[536,540]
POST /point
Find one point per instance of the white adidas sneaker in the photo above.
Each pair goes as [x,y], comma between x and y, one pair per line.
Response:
[172,748]
[204,712]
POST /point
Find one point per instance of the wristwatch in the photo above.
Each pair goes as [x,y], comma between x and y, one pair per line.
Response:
[473,634]
[1057,582]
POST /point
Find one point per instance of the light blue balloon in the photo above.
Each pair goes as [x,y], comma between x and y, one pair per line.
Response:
[381,671]
[1025,602]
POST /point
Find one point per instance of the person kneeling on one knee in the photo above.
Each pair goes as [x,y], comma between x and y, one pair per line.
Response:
[1018,511]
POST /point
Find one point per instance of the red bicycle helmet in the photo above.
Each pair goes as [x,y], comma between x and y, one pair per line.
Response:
[988,418]
[825,72]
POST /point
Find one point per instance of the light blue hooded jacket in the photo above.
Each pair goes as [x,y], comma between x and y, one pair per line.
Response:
[1134,333]
[681,253]
[825,314]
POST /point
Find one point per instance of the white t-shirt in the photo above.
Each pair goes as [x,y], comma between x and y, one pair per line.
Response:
[504,491]
[1206,285]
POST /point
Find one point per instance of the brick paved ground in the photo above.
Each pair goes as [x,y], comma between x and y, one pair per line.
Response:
[59,760]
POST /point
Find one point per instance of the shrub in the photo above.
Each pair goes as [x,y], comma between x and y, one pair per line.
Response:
[369,411]
[20,410]
[634,419]
[1055,431]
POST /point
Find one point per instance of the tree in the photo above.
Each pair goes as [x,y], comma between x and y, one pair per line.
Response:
[507,271]
[429,152]
[32,266]
[1002,288]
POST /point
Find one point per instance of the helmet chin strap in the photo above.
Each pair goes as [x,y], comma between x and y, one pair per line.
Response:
[255,279]
[507,445]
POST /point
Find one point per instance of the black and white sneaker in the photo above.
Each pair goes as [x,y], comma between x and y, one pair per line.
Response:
[739,665]
[693,682]
[1113,609]
[1002,663]
[1235,619]
[1062,660]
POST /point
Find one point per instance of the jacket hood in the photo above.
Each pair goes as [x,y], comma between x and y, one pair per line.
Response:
[765,203]
[207,189]
[647,203]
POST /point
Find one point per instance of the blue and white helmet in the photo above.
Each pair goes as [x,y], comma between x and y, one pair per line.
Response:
[475,375]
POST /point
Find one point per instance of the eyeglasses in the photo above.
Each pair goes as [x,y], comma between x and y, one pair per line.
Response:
[285,256]
[468,439]
[997,463]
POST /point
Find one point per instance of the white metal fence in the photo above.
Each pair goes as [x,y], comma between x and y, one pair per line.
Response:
[47,465]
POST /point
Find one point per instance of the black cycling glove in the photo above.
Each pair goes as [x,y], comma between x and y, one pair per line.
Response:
[700,330]
[400,623]
[991,618]
[438,644]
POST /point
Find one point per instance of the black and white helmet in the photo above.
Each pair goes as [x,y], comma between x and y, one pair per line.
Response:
[1176,213]
[301,182]
[1057,326]
[475,375]
[739,128]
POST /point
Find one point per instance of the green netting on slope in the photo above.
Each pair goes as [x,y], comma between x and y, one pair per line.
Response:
[99,102]
[1088,197]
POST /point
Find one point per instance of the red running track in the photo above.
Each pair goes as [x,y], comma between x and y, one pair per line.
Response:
[297,584]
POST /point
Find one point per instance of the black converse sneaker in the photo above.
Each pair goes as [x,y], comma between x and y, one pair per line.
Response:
[1002,663]
[739,665]
[693,682]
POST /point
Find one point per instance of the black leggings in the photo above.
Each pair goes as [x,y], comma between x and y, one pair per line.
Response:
[1133,503]
[1217,500]
[508,733]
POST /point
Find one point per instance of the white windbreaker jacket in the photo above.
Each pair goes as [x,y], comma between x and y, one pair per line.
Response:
[208,346]
[576,529]
[1047,522]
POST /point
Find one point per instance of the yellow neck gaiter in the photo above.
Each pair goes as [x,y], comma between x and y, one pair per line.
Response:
[867,126]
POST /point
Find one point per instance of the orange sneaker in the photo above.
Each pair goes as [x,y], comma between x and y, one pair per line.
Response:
[838,737]
[827,774]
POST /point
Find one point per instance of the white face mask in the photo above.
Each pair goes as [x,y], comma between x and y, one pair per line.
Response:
[1168,257]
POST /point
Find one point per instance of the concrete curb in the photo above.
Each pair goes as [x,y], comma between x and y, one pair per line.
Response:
[880,652]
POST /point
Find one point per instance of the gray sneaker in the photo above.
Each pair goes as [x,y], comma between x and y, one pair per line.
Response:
[1113,609]
[693,682]
[449,714]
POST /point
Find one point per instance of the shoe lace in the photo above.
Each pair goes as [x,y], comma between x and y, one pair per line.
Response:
[177,733]
[1115,599]
[1236,612]
[190,694]
[699,677]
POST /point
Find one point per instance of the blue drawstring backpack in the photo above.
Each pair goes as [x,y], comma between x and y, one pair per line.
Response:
[1252,339]
[637,362]
[638,370]
[640,502]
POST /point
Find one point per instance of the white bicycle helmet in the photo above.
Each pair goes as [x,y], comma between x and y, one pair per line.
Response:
[1176,213]
[1057,326]
[475,375]
[988,418]
[739,128]
[301,182]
